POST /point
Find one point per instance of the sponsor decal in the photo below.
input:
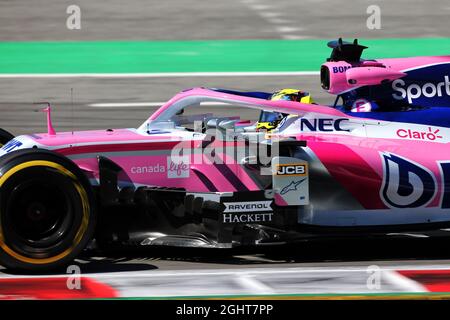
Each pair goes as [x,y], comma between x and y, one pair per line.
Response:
[429,135]
[11,145]
[290,181]
[291,169]
[341,69]
[157,168]
[178,167]
[322,124]
[247,217]
[249,206]
[291,186]
[406,184]
[415,91]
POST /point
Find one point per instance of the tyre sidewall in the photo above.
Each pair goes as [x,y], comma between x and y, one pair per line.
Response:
[14,160]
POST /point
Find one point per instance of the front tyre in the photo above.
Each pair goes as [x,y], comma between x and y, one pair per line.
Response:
[46,210]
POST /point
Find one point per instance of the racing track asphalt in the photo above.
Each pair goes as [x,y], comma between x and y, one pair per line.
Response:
[217,19]
[391,251]
[18,113]
[314,270]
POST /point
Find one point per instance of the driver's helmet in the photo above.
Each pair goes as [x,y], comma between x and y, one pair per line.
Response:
[292,95]
[269,120]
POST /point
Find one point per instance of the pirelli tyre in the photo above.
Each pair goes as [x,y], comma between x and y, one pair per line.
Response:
[47,214]
[5,136]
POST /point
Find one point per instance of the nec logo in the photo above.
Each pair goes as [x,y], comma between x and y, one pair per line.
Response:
[323,124]
[291,169]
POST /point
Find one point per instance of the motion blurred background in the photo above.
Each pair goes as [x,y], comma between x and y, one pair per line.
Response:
[129,56]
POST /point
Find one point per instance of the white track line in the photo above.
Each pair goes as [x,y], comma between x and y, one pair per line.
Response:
[160,74]
[143,104]
[236,272]
[250,283]
[286,28]
[126,104]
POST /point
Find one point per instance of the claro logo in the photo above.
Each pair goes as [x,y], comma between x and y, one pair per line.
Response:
[429,135]
[415,91]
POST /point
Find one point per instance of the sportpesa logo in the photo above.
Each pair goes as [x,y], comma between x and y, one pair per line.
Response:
[415,91]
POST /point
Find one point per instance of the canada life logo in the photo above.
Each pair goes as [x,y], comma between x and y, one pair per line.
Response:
[415,91]
[178,167]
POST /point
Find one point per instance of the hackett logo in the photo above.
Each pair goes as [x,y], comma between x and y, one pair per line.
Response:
[247,217]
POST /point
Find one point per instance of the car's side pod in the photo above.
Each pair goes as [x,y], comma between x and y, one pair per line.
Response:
[287,147]
[108,190]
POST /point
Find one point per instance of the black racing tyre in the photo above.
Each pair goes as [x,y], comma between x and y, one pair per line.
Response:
[5,136]
[47,213]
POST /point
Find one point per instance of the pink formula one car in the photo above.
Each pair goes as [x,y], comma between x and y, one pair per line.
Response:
[189,178]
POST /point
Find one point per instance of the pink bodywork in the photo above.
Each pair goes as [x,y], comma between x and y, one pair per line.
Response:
[131,149]
[354,161]
[373,72]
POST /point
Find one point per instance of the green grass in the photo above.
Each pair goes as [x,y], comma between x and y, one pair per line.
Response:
[193,56]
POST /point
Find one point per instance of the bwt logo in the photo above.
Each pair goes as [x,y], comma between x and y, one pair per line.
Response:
[415,91]
[323,124]
[407,184]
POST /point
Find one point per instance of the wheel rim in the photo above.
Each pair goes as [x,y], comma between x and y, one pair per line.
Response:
[40,213]
[40,219]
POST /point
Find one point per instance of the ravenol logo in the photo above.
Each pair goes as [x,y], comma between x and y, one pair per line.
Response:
[292,169]
[415,91]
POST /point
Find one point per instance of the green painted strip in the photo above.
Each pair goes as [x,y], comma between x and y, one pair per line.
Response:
[193,56]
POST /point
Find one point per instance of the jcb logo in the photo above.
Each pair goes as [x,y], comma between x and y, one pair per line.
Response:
[292,169]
